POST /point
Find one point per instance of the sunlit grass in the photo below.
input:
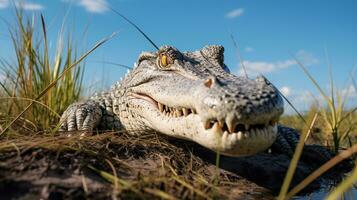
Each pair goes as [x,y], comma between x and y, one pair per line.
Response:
[34,68]
[53,84]
[334,116]
[334,111]
[294,161]
[318,172]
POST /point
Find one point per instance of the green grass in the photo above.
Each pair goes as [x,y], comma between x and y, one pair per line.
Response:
[337,124]
[50,85]
[34,68]
[334,113]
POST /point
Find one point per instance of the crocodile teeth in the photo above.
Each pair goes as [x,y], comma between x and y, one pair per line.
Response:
[246,126]
[179,113]
[185,111]
[174,112]
[216,128]
[206,124]
[275,128]
[161,107]
[231,123]
[221,123]
[239,135]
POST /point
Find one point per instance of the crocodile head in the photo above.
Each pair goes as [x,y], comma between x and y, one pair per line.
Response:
[193,95]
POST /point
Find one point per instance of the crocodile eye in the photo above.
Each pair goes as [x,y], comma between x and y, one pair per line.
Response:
[164,61]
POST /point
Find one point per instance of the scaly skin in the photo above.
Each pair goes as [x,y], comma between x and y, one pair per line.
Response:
[189,95]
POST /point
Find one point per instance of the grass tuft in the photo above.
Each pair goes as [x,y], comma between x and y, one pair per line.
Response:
[335,113]
[294,161]
[55,85]
[34,69]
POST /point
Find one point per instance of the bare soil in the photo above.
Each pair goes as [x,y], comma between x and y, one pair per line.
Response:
[146,166]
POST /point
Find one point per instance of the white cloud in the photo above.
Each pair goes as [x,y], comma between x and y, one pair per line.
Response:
[262,67]
[248,49]
[254,68]
[306,58]
[26,5]
[285,90]
[301,100]
[349,91]
[4,3]
[93,6]
[235,13]
[30,6]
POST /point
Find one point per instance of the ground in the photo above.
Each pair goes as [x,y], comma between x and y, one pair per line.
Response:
[146,166]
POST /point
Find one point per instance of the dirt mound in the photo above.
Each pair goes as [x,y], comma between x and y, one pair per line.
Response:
[145,166]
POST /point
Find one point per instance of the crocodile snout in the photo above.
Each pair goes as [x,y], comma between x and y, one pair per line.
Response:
[240,104]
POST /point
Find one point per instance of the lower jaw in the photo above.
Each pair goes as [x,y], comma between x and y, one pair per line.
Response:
[243,144]
[230,144]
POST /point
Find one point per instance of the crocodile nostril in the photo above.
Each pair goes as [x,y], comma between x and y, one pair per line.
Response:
[209,82]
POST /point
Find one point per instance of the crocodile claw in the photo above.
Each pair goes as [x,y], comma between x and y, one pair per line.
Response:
[81,116]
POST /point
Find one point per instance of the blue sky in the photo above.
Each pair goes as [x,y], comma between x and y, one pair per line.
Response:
[269,34]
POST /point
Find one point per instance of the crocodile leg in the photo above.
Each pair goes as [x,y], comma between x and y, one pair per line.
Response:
[81,116]
[96,113]
[287,140]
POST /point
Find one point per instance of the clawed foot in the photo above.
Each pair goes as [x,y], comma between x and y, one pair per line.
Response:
[81,116]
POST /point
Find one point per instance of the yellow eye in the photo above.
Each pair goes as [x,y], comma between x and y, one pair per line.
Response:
[163,60]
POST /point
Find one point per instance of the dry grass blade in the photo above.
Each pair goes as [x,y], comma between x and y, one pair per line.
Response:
[218,158]
[116,185]
[292,106]
[58,78]
[190,187]
[294,161]
[84,183]
[354,84]
[38,102]
[332,96]
[110,178]
[239,56]
[344,186]
[116,64]
[311,78]
[135,26]
[333,113]
[318,172]
[159,193]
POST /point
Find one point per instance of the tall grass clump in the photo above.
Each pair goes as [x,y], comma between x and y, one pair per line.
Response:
[340,123]
[34,68]
[338,119]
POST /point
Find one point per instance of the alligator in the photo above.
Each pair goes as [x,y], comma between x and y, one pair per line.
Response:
[192,96]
